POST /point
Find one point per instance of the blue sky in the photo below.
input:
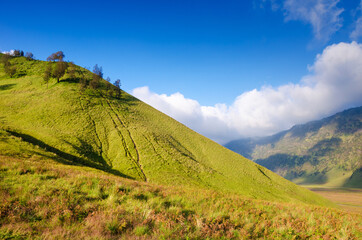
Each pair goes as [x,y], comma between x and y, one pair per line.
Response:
[210,52]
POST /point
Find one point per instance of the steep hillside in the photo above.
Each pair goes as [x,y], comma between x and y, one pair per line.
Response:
[125,137]
[326,152]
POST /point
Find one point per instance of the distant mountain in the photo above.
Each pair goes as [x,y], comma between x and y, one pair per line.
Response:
[80,121]
[326,152]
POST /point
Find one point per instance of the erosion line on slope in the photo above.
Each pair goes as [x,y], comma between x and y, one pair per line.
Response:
[95,130]
[154,149]
[130,136]
[127,151]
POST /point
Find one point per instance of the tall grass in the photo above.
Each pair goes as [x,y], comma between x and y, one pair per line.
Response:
[43,199]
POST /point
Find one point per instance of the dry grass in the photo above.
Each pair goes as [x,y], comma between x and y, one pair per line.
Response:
[47,200]
[347,198]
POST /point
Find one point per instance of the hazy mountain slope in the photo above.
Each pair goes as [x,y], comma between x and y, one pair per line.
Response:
[126,137]
[320,152]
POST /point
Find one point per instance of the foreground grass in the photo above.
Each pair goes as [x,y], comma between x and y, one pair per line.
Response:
[42,199]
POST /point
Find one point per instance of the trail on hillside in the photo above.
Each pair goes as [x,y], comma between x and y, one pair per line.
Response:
[96,133]
[135,159]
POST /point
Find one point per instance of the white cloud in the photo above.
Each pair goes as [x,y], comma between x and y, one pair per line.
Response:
[11,52]
[357,32]
[323,15]
[335,83]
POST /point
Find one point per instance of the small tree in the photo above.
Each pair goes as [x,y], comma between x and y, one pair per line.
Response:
[9,69]
[60,69]
[5,59]
[17,53]
[117,83]
[47,74]
[29,56]
[58,56]
[98,71]
[97,76]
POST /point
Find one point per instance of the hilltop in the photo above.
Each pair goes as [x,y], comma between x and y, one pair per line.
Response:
[324,152]
[125,136]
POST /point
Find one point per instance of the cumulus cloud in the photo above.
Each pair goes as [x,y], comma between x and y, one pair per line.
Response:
[334,83]
[357,32]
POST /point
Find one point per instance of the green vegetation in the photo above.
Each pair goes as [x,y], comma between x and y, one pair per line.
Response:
[79,162]
[325,152]
[42,199]
[126,136]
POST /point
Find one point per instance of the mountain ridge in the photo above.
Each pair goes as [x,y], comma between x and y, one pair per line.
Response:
[307,153]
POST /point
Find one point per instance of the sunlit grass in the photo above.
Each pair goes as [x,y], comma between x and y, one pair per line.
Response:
[83,165]
[41,198]
[126,137]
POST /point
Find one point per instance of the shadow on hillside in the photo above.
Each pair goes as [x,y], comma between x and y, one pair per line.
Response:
[314,178]
[6,87]
[355,181]
[301,131]
[325,146]
[85,149]
[282,160]
[70,80]
[291,163]
[66,158]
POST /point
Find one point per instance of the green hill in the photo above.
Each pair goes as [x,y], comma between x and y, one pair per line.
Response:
[78,163]
[325,152]
[124,136]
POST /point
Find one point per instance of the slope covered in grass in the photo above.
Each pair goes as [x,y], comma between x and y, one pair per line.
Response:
[42,199]
[126,137]
[325,152]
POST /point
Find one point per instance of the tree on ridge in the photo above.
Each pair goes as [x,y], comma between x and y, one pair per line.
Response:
[29,55]
[58,56]
[117,83]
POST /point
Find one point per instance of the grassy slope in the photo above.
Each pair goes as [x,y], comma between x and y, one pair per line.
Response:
[128,138]
[325,152]
[43,197]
